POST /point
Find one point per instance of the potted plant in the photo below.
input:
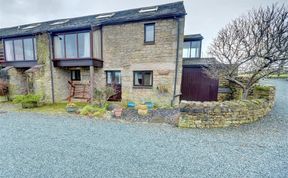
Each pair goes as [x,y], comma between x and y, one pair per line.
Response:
[71,107]
[117,112]
[142,109]
[27,101]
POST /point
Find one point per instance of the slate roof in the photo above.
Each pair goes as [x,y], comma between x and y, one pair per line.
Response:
[164,11]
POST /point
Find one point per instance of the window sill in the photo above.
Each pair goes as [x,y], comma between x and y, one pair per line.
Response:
[142,87]
[149,43]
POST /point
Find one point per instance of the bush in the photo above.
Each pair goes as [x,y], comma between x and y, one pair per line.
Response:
[3,88]
[27,99]
[102,95]
[95,111]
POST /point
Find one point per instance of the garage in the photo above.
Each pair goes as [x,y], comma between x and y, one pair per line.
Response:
[197,86]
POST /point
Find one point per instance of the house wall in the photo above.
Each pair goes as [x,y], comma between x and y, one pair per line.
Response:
[124,50]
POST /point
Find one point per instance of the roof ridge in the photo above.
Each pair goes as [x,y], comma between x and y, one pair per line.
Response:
[73,18]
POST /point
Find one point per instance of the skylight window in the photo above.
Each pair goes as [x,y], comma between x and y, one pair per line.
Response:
[105,16]
[31,26]
[60,22]
[151,9]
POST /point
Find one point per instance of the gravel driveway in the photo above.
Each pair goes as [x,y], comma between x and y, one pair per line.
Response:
[35,145]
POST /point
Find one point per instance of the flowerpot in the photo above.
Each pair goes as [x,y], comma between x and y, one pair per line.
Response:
[117,112]
[142,112]
[149,105]
[71,109]
[29,105]
[142,107]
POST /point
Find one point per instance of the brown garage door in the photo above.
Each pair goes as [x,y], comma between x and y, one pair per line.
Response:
[197,86]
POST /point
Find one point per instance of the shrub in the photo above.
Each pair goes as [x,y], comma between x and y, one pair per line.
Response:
[102,95]
[30,98]
[95,111]
[3,88]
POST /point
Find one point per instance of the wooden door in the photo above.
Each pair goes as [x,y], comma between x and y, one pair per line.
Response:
[197,86]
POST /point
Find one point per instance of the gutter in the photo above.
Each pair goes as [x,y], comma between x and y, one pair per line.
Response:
[177,61]
[51,67]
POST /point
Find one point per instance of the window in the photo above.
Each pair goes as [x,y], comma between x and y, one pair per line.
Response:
[97,44]
[149,33]
[192,49]
[143,78]
[75,75]
[113,77]
[22,49]
[72,45]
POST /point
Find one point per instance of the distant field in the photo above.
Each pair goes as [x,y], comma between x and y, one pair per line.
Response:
[281,76]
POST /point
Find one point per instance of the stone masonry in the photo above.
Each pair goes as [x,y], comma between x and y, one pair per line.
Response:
[123,50]
[227,113]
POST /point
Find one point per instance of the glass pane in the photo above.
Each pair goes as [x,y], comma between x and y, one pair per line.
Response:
[18,46]
[28,49]
[147,78]
[195,49]
[117,77]
[109,78]
[84,45]
[138,78]
[186,50]
[35,48]
[71,46]
[97,44]
[9,51]
[149,32]
[59,46]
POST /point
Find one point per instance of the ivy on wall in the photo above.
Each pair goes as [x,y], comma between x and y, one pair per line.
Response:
[42,48]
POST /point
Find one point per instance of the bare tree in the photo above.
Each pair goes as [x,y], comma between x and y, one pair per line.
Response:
[253,45]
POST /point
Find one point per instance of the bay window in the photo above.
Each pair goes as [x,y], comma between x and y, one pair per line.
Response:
[22,49]
[72,45]
[77,45]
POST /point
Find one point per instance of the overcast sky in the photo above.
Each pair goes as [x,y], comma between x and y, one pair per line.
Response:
[204,16]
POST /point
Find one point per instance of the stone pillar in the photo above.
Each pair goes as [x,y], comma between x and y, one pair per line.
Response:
[91,83]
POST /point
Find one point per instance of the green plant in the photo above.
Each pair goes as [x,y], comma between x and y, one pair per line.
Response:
[102,95]
[162,89]
[30,98]
[95,111]
[3,88]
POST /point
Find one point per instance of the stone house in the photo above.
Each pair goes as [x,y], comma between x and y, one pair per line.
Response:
[138,51]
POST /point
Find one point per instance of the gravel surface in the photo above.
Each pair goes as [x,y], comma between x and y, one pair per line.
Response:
[169,116]
[35,145]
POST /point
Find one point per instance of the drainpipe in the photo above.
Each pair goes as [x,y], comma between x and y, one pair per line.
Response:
[177,61]
[51,67]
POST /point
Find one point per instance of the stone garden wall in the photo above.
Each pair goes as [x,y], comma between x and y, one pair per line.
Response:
[227,113]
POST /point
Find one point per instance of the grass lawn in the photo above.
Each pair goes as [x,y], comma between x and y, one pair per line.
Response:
[281,76]
[57,108]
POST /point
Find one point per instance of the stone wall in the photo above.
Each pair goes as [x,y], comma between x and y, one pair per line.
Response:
[227,113]
[17,82]
[124,50]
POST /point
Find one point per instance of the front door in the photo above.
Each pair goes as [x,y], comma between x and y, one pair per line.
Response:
[113,79]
